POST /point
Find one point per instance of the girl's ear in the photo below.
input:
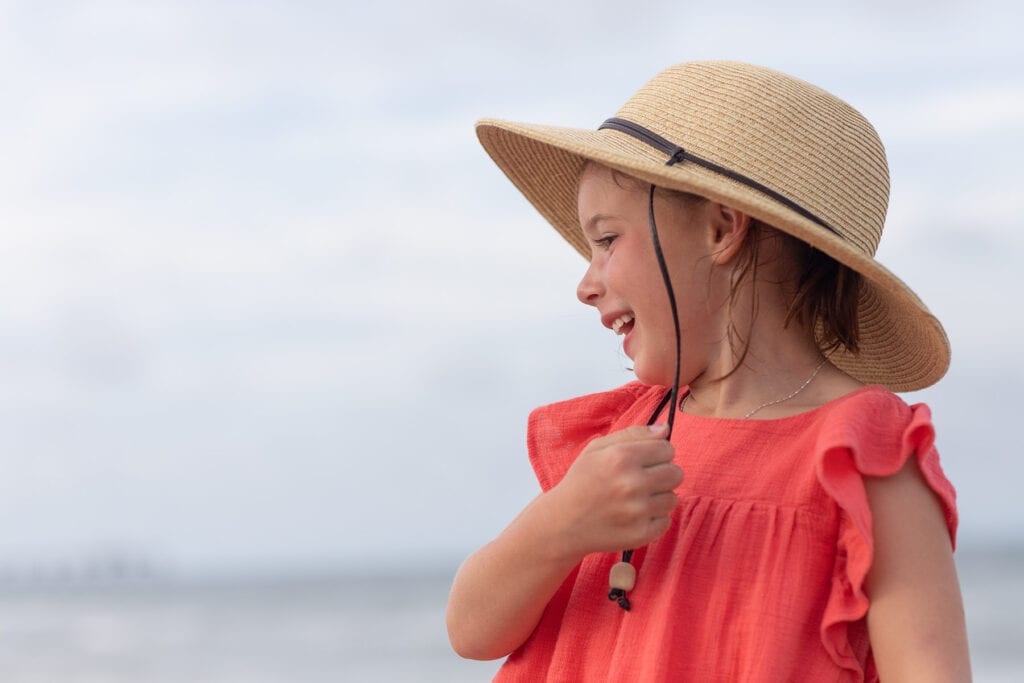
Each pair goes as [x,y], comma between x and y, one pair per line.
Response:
[729,228]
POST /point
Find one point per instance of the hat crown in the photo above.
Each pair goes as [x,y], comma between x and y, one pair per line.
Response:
[780,131]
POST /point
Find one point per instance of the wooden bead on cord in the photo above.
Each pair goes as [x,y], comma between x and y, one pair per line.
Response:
[622,576]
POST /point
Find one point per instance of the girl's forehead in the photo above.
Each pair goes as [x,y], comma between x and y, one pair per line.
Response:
[600,183]
[590,175]
[600,190]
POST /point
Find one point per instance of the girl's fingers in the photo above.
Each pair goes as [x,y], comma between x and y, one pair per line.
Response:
[647,445]
[636,433]
[662,504]
[656,527]
[643,452]
[664,477]
[653,452]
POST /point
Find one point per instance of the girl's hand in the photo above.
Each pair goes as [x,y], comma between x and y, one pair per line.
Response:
[618,494]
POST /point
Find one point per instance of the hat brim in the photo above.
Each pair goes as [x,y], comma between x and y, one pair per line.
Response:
[902,345]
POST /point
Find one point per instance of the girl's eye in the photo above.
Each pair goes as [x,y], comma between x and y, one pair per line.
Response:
[605,241]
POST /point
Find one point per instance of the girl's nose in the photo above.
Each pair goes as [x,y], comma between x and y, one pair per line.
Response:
[590,287]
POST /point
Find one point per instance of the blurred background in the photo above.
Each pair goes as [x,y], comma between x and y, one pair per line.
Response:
[271,322]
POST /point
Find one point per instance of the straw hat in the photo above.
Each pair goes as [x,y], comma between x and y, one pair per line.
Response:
[775,147]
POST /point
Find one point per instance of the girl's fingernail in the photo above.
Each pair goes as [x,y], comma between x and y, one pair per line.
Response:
[657,429]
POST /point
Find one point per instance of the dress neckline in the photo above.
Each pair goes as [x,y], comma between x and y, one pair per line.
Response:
[828,405]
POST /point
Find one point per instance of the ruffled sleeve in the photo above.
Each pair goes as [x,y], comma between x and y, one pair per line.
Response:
[556,433]
[874,438]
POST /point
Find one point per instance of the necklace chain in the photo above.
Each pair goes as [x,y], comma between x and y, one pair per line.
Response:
[769,403]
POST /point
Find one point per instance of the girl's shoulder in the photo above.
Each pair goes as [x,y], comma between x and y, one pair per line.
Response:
[872,422]
[870,430]
[870,397]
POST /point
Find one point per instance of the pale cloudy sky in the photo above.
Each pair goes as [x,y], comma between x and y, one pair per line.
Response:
[264,302]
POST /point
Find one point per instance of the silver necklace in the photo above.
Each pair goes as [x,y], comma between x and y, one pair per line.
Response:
[769,403]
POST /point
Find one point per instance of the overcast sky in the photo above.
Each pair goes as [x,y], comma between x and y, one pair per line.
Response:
[265,302]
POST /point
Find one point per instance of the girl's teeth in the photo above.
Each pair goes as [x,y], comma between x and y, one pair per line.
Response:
[620,321]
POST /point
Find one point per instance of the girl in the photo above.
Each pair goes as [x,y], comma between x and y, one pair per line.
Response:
[730,215]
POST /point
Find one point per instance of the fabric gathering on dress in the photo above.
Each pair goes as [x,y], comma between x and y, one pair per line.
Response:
[761,575]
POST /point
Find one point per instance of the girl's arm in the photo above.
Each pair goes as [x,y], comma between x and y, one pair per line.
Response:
[617,494]
[916,618]
[500,592]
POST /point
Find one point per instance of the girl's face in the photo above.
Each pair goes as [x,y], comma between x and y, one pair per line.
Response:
[624,282]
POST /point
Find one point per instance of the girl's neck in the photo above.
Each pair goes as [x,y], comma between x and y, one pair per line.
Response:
[781,374]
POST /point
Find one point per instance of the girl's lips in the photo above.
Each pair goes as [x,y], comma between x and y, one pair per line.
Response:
[627,341]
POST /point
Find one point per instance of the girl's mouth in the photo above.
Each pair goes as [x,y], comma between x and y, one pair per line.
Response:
[623,324]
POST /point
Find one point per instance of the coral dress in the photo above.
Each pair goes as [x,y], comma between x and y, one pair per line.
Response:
[761,574]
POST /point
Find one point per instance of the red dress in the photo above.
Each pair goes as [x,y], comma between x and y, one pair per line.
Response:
[761,574]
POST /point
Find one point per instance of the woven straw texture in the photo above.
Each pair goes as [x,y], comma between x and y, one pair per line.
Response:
[784,133]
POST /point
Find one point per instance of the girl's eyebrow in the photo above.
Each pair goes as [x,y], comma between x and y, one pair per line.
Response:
[595,219]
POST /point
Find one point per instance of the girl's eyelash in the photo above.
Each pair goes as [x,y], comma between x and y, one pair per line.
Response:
[605,241]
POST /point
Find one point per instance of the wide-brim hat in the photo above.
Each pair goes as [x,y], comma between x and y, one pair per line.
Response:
[780,149]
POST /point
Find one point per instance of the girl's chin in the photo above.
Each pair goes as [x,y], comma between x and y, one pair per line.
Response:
[652,376]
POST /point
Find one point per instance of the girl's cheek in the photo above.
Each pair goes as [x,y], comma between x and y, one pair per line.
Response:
[613,267]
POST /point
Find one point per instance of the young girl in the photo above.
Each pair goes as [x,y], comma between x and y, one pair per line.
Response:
[730,215]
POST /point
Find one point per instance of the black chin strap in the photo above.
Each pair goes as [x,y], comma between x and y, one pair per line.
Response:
[663,266]
[670,399]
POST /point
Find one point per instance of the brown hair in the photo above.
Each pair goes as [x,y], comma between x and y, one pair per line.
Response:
[827,292]
[827,295]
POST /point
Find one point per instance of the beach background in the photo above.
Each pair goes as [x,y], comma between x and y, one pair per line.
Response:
[271,322]
[386,628]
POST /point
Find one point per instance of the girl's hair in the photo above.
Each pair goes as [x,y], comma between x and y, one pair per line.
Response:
[827,292]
